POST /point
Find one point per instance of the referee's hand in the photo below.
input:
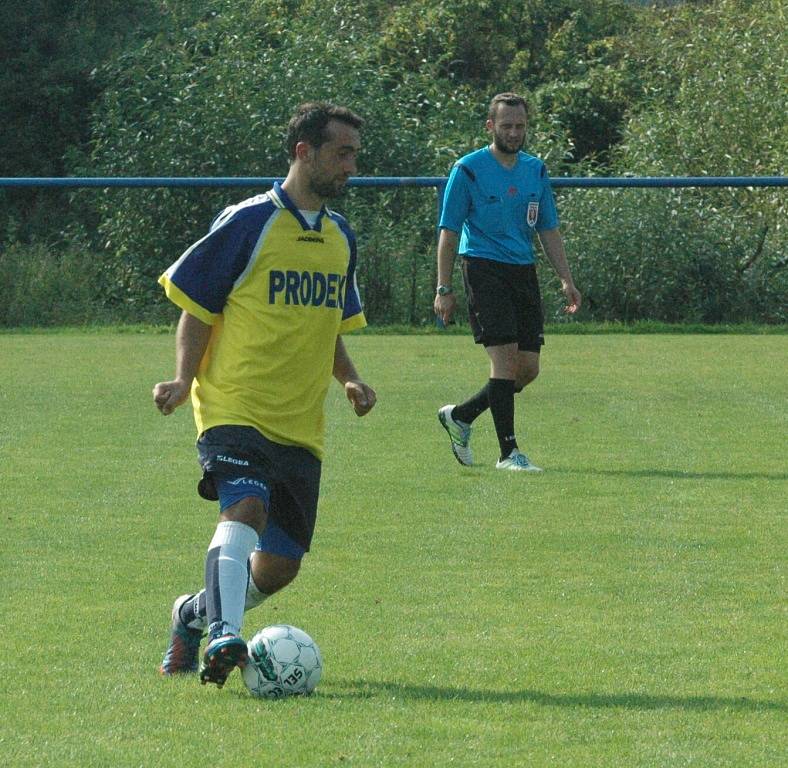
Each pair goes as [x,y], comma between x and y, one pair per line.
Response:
[444,307]
[573,297]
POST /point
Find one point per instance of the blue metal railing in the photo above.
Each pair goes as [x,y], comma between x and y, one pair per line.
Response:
[439,182]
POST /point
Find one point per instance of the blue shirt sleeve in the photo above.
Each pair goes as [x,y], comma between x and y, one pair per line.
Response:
[207,271]
[456,199]
[352,298]
[352,302]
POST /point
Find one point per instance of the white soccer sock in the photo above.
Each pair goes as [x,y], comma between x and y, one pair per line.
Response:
[196,618]
[226,574]
[253,595]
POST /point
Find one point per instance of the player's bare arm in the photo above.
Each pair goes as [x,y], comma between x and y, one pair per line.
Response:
[361,396]
[445,303]
[553,246]
[191,341]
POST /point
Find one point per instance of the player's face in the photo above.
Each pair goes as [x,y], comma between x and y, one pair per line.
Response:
[508,128]
[334,162]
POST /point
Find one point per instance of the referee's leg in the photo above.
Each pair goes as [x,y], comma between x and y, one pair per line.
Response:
[503,371]
[527,369]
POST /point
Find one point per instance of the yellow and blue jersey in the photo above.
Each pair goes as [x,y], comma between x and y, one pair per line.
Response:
[496,210]
[277,293]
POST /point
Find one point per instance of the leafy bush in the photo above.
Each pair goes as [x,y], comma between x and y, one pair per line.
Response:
[653,254]
[699,88]
[211,101]
[714,103]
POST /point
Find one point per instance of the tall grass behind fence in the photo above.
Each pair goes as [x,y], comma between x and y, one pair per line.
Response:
[692,255]
[678,255]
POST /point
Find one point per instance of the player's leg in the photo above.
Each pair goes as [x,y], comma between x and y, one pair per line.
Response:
[227,591]
[235,474]
[181,656]
[271,567]
[292,511]
[291,505]
[277,558]
[268,573]
[226,578]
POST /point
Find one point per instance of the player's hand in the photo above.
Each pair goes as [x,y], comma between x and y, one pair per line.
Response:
[168,395]
[573,297]
[444,307]
[361,396]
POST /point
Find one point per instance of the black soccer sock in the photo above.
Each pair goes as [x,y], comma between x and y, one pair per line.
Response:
[473,407]
[501,396]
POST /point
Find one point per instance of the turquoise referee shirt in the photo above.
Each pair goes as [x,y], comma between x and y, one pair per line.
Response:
[496,210]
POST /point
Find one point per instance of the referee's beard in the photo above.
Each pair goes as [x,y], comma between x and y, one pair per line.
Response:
[507,147]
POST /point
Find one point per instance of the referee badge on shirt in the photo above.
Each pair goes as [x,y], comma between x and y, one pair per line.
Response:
[532,214]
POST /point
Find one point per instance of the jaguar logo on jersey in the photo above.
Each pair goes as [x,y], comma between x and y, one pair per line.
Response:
[306,289]
[533,213]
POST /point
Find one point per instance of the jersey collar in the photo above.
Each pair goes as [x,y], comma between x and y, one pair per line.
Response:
[506,168]
[282,200]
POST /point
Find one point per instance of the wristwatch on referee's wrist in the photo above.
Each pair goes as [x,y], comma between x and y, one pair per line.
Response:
[444,290]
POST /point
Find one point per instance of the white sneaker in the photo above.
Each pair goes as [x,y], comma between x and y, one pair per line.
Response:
[517,462]
[460,434]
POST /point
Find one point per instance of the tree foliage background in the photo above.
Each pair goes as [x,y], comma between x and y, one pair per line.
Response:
[205,88]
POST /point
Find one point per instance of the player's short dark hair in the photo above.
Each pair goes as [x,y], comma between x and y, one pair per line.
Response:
[310,120]
[510,99]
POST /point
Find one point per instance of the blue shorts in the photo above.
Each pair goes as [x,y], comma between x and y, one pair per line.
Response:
[273,539]
[237,462]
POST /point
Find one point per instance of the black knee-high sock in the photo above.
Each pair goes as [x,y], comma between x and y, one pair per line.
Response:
[501,396]
[473,407]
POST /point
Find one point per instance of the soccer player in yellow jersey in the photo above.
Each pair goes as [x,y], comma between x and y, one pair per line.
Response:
[265,297]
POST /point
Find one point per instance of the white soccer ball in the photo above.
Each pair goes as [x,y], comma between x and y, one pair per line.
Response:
[283,661]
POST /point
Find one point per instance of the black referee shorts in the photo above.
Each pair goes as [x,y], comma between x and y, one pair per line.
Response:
[504,303]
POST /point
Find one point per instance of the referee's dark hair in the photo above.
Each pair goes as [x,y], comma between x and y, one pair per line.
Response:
[510,99]
[310,120]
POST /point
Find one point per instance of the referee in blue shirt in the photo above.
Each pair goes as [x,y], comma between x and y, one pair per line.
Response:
[496,198]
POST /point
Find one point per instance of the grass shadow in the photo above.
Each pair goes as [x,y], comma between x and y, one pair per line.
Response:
[672,474]
[363,689]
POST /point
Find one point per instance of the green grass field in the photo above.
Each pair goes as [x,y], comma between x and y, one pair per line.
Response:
[626,608]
